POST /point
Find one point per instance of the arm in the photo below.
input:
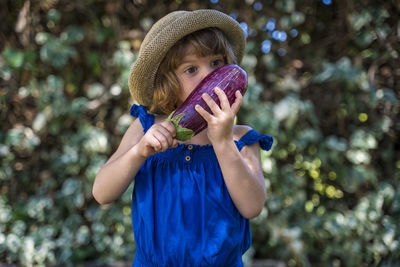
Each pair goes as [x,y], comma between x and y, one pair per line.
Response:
[241,170]
[118,172]
[243,176]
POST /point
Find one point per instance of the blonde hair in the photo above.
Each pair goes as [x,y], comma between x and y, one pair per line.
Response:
[205,42]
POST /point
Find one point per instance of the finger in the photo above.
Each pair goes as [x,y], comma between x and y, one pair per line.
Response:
[169,126]
[215,109]
[155,144]
[223,99]
[238,102]
[166,132]
[152,141]
[162,139]
[207,116]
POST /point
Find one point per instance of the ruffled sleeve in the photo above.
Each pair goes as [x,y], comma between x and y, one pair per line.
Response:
[146,119]
[252,137]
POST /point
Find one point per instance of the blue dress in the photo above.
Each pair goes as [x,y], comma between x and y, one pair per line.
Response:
[182,213]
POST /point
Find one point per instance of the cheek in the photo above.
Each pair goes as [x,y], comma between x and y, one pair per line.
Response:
[187,88]
[185,93]
[184,90]
[188,84]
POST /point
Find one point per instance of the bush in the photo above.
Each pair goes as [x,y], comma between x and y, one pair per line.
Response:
[323,80]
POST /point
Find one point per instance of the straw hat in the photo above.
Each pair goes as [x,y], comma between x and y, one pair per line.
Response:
[165,33]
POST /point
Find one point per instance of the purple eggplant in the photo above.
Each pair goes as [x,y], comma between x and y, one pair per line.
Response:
[187,121]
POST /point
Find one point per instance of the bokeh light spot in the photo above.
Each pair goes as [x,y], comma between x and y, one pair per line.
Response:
[314,174]
[330,191]
[126,210]
[279,36]
[233,15]
[327,2]
[363,117]
[293,33]
[245,28]
[309,206]
[270,26]
[332,176]
[338,193]
[305,38]
[266,46]
[321,210]
[281,51]
[258,6]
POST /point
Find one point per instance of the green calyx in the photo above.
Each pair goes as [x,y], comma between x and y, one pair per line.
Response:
[182,134]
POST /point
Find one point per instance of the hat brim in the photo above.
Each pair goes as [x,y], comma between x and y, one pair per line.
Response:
[165,33]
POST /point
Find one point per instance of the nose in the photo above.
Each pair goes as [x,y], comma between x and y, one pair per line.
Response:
[206,70]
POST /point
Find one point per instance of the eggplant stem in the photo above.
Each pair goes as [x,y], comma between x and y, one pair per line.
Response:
[182,134]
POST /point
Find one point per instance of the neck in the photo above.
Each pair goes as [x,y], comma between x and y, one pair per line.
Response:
[199,139]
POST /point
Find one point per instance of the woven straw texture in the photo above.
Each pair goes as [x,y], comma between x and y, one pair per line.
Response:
[164,34]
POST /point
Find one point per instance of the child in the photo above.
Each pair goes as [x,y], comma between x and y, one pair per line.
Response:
[192,200]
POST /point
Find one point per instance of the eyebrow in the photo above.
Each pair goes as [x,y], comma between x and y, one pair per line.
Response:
[191,58]
[188,59]
[183,62]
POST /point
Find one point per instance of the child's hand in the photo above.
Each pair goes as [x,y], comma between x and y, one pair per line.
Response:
[220,123]
[158,138]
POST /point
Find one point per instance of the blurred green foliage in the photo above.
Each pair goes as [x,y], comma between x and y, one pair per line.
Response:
[324,80]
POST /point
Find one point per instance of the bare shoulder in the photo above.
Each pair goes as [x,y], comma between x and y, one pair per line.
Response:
[240,130]
[131,137]
[135,130]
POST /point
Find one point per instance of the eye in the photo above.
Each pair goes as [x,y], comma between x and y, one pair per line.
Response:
[191,70]
[217,62]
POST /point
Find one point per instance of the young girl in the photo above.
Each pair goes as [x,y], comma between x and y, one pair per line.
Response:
[192,200]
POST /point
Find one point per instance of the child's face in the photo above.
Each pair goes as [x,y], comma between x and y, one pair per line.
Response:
[193,69]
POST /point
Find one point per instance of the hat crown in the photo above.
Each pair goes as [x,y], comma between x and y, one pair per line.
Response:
[159,25]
